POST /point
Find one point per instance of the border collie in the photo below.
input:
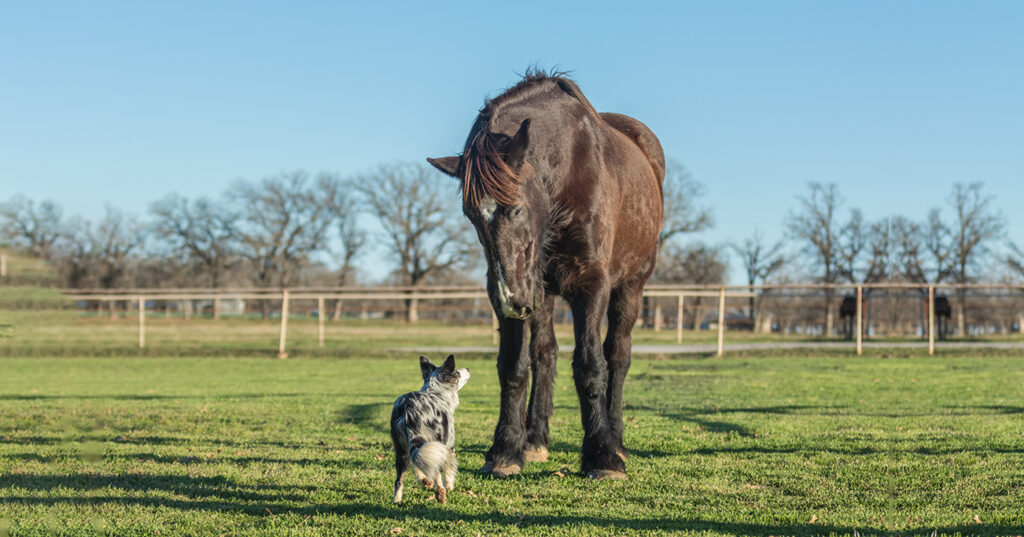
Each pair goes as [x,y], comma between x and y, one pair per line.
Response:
[423,428]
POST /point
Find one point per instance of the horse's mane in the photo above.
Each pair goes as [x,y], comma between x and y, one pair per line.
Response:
[485,173]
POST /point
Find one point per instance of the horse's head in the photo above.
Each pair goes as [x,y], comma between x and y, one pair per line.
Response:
[509,209]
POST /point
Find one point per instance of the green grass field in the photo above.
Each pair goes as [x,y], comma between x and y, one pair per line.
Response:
[809,445]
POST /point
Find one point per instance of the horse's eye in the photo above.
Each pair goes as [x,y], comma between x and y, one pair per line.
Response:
[517,212]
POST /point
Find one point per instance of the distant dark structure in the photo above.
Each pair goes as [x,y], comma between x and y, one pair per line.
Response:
[943,313]
[848,313]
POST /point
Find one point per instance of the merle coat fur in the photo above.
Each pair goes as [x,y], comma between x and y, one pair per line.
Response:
[423,428]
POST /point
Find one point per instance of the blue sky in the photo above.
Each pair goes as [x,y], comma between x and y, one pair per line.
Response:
[893,101]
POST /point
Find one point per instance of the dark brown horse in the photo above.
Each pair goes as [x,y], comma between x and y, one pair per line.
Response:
[566,202]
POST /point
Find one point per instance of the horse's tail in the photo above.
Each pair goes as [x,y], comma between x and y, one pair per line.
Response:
[643,138]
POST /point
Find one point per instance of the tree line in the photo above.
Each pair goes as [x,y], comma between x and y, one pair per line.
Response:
[299,228]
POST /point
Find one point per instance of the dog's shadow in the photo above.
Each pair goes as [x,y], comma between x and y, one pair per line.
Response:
[371,416]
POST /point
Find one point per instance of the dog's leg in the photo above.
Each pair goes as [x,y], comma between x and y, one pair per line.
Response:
[543,357]
[440,494]
[423,479]
[450,469]
[401,465]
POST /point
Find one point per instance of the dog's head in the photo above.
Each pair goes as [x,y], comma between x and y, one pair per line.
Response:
[445,377]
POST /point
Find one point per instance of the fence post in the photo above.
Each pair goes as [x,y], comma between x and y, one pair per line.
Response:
[284,324]
[216,307]
[721,321]
[142,322]
[679,320]
[931,320]
[494,327]
[860,320]
[658,319]
[186,308]
[3,265]
[320,318]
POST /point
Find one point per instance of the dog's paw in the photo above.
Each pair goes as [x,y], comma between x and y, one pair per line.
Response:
[440,494]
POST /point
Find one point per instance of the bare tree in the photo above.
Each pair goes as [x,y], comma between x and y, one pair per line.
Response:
[36,228]
[938,245]
[682,214]
[760,261]
[113,240]
[72,253]
[975,227]
[353,237]
[1016,259]
[202,230]
[697,264]
[816,224]
[284,220]
[853,243]
[907,241]
[418,211]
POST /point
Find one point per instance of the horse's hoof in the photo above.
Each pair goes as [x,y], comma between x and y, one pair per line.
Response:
[501,470]
[606,474]
[536,454]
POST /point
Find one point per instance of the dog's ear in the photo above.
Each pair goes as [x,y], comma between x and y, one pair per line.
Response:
[449,364]
[426,367]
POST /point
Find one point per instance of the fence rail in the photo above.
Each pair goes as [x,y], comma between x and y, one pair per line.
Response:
[799,298]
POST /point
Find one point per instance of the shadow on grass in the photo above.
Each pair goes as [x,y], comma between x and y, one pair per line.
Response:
[236,460]
[156,440]
[788,450]
[406,514]
[994,409]
[191,486]
[373,416]
[153,397]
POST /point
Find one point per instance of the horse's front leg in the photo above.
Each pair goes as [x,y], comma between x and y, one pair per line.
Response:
[543,358]
[590,373]
[506,456]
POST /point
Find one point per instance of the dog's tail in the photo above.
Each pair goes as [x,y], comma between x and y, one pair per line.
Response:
[436,461]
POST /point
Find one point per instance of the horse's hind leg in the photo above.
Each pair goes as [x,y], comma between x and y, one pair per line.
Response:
[505,457]
[623,308]
[543,356]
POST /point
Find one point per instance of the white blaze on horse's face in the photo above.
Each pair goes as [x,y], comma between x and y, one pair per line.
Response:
[505,296]
[487,208]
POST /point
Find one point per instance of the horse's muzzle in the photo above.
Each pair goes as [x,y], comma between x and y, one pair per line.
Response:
[516,312]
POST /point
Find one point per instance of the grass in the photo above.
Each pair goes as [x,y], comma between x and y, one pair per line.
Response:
[733,446]
[68,332]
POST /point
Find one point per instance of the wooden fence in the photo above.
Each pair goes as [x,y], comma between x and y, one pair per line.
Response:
[415,295]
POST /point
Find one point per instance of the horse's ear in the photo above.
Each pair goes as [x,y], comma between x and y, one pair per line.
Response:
[426,367]
[516,151]
[447,165]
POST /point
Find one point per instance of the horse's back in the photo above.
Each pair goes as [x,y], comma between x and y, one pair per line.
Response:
[642,136]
